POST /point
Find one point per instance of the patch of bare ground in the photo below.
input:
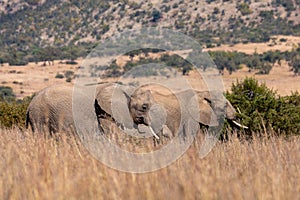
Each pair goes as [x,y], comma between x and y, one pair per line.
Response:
[280,79]
[280,43]
[29,79]
[35,168]
[26,80]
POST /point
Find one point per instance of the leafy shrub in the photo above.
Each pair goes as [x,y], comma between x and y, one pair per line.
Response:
[265,68]
[13,113]
[263,111]
[294,61]
[156,15]
[6,93]
[283,40]
[228,60]
[69,73]
[60,76]
[244,8]
[176,61]
[71,62]
[33,2]
[288,114]
[69,79]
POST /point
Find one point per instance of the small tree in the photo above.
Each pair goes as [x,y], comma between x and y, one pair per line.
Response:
[6,94]
[295,64]
[156,15]
[265,68]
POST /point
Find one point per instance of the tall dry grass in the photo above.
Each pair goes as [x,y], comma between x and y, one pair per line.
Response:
[37,168]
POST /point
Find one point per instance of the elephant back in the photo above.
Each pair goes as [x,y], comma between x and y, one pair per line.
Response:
[51,110]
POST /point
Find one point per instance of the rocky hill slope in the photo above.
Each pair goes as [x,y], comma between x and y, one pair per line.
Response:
[39,30]
[28,23]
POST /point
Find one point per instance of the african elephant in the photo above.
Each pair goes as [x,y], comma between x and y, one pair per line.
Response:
[206,107]
[52,109]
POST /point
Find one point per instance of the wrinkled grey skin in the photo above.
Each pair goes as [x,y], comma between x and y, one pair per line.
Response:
[202,106]
[111,101]
[50,111]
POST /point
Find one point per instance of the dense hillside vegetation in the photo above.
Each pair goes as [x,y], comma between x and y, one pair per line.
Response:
[70,28]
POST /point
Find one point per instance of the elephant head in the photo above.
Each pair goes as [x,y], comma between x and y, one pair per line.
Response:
[139,106]
[212,105]
[115,102]
[220,106]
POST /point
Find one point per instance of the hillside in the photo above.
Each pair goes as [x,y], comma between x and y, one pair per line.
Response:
[27,26]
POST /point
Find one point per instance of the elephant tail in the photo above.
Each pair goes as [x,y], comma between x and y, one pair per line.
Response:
[28,121]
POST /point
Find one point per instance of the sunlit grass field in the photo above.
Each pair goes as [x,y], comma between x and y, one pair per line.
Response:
[32,167]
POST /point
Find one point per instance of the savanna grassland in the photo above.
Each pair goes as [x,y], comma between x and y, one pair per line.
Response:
[35,168]
[43,43]
[32,167]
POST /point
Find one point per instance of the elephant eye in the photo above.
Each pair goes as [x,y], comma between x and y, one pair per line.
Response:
[145,106]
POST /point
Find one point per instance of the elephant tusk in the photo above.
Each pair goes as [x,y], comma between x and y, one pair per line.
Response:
[153,133]
[240,125]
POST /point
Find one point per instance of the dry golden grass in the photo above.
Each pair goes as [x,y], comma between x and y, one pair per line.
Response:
[274,44]
[35,168]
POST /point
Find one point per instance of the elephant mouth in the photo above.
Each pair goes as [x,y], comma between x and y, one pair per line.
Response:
[141,120]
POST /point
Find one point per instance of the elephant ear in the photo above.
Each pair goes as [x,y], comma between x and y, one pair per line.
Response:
[218,100]
[113,100]
[201,111]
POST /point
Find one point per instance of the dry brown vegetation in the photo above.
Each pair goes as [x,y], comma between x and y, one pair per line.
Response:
[35,168]
[273,45]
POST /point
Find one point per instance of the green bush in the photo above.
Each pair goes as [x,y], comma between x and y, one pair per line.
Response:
[294,61]
[6,93]
[60,76]
[288,114]
[244,8]
[69,73]
[71,62]
[263,111]
[13,113]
